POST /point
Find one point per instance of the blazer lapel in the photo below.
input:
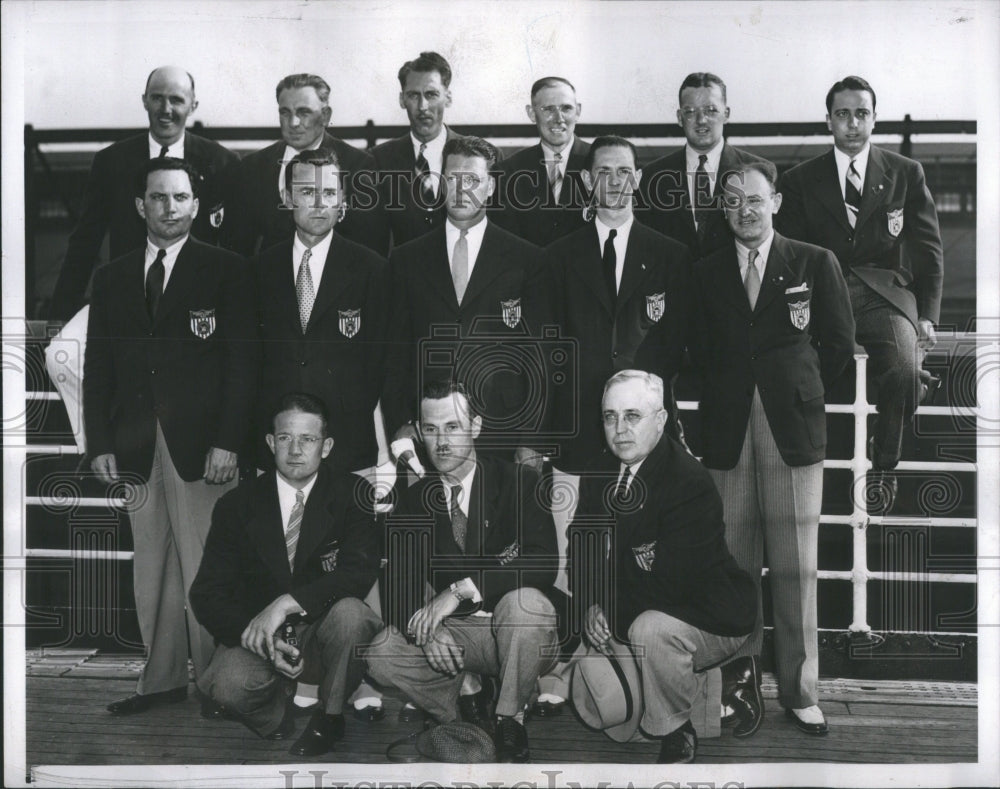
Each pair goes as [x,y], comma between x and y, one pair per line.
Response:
[315,521]
[730,284]
[438,271]
[775,275]
[489,265]
[474,539]
[589,267]
[266,530]
[634,270]
[185,275]
[134,289]
[336,277]
[877,182]
[828,190]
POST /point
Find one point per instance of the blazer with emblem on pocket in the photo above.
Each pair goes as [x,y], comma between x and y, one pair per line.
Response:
[108,206]
[245,564]
[487,342]
[895,247]
[666,543]
[510,540]
[797,339]
[645,328]
[341,356]
[193,368]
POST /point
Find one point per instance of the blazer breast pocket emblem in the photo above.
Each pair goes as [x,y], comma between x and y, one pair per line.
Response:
[798,311]
[655,306]
[510,553]
[894,219]
[350,322]
[645,554]
[202,323]
[511,311]
[329,560]
[218,214]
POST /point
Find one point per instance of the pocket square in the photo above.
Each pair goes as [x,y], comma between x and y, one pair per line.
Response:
[798,288]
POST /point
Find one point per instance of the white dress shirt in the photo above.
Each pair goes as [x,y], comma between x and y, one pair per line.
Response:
[844,162]
[763,251]
[434,154]
[550,156]
[168,262]
[620,242]
[286,497]
[714,157]
[473,238]
[176,150]
[316,263]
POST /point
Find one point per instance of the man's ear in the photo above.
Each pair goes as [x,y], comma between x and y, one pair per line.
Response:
[327,446]
[140,207]
[447,97]
[402,101]
[531,113]
[477,426]
[197,205]
[269,438]
[588,181]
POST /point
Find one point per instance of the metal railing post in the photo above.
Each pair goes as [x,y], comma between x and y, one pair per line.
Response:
[859,513]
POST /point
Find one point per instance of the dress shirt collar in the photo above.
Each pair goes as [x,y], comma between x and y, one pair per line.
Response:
[286,496]
[620,242]
[433,151]
[317,261]
[176,150]
[466,483]
[633,470]
[844,161]
[168,262]
[711,163]
[473,237]
[763,253]
[549,155]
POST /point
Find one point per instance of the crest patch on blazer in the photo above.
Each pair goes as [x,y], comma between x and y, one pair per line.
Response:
[655,305]
[218,214]
[798,311]
[202,323]
[350,322]
[510,553]
[511,311]
[644,555]
[894,220]
[329,560]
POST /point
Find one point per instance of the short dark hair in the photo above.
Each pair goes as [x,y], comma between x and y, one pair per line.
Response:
[305,403]
[609,141]
[150,77]
[166,163]
[313,81]
[444,388]
[762,166]
[470,146]
[317,157]
[849,83]
[427,61]
[550,82]
[702,79]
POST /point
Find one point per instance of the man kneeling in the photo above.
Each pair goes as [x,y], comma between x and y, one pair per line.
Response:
[649,564]
[475,531]
[291,547]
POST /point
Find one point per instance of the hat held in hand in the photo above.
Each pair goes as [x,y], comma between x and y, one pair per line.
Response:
[607,691]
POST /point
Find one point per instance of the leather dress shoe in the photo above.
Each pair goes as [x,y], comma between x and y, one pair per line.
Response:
[411,714]
[369,714]
[477,707]
[680,746]
[816,729]
[741,692]
[727,716]
[285,729]
[321,733]
[547,709]
[511,741]
[140,702]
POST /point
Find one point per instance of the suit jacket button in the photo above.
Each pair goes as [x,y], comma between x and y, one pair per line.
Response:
[751,323]
[152,372]
[303,364]
[614,354]
[850,239]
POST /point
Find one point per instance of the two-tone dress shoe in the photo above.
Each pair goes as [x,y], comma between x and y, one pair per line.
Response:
[140,702]
[511,741]
[369,714]
[741,693]
[547,709]
[321,733]
[408,713]
[680,746]
[808,719]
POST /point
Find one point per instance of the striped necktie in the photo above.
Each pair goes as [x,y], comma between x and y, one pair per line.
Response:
[852,194]
[555,176]
[294,526]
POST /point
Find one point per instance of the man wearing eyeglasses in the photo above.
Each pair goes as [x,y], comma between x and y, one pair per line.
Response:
[543,193]
[649,563]
[772,330]
[289,547]
[682,189]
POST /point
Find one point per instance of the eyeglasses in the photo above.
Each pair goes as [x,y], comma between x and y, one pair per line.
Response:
[631,418]
[689,113]
[307,441]
[738,201]
[551,110]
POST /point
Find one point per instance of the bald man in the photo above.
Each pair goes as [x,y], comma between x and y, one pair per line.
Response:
[108,205]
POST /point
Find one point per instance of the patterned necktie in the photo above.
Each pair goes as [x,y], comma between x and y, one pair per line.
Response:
[423,175]
[163,151]
[460,265]
[852,194]
[752,280]
[610,265]
[702,192]
[555,176]
[294,526]
[304,290]
[459,521]
[621,492]
[154,283]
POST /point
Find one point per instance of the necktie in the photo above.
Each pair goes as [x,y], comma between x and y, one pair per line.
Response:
[460,265]
[852,194]
[555,176]
[702,192]
[752,280]
[459,521]
[154,283]
[163,151]
[610,264]
[304,290]
[423,175]
[621,491]
[294,526]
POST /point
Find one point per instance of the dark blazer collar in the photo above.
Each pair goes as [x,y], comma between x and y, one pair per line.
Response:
[337,277]
[588,264]
[634,270]
[186,274]
[483,502]
[776,273]
[490,263]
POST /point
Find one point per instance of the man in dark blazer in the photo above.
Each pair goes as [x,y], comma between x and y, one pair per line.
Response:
[649,561]
[772,329]
[872,208]
[262,215]
[109,203]
[542,191]
[323,316]
[475,532]
[681,190]
[409,167]
[467,304]
[169,380]
[290,546]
